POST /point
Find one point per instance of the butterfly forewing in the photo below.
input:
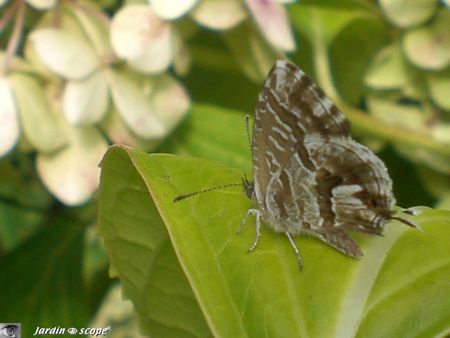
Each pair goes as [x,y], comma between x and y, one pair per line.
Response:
[290,110]
[309,175]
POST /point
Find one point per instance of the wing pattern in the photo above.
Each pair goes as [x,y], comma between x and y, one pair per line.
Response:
[309,175]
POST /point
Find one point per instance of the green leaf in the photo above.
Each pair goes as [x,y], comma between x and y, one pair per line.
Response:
[41,280]
[351,53]
[439,86]
[388,69]
[16,224]
[23,201]
[432,160]
[215,133]
[402,278]
[323,26]
[214,63]
[341,50]
[143,257]
[436,182]
[324,21]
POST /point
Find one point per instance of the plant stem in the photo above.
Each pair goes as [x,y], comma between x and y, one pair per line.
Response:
[14,39]
[7,16]
[368,125]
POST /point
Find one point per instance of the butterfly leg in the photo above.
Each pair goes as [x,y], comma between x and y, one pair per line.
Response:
[244,220]
[257,214]
[297,252]
[339,240]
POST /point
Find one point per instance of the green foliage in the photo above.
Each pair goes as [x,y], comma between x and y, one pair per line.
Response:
[41,279]
[76,77]
[23,203]
[157,246]
[219,135]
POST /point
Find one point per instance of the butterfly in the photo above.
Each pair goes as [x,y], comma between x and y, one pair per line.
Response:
[309,176]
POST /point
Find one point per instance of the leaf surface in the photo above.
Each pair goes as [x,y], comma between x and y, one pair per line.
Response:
[401,279]
[41,279]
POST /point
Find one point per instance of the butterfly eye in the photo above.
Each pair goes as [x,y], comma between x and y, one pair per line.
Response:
[9,331]
[374,203]
[249,187]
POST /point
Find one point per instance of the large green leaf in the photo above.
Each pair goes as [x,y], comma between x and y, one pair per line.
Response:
[141,255]
[41,279]
[23,201]
[188,274]
[351,52]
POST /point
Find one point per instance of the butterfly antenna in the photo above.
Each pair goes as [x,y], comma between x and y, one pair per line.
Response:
[247,131]
[407,222]
[182,197]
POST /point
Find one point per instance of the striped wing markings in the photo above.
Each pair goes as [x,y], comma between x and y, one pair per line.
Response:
[289,107]
[298,93]
[300,141]
[364,193]
[276,131]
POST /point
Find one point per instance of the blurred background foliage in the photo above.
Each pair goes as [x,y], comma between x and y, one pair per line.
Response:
[178,76]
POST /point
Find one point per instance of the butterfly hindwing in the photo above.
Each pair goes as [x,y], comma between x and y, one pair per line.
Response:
[360,195]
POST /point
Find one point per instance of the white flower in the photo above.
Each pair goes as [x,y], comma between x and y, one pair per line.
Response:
[273,21]
[37,4]
[9,122]
[270,16]
[74,59]
[140,37]
[42,4]
[172,9]
[97,91]
[72,173]
[219,14]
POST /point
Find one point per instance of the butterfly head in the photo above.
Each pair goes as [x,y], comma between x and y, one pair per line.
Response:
[249,188]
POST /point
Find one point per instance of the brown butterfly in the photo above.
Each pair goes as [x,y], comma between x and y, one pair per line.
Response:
[310,176]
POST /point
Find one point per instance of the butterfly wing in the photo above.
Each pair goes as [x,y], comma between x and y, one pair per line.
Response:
[308,172]
[353,187]
[290,110]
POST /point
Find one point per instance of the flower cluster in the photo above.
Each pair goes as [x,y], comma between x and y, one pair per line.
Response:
[414,69]
[81,79]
